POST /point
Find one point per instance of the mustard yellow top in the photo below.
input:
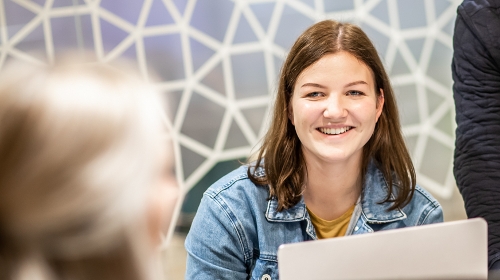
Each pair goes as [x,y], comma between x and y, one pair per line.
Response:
[333,228]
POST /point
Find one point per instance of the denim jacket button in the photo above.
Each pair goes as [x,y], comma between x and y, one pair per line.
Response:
[266,277]
[356,228]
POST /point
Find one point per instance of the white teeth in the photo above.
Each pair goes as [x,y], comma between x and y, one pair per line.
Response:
[334,131]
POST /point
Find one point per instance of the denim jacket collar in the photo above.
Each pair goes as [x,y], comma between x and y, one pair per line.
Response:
[374,191]
[292,214]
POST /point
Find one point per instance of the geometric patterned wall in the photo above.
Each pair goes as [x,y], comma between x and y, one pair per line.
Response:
[218,62]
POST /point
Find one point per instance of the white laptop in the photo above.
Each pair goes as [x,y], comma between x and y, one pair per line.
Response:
[451,250]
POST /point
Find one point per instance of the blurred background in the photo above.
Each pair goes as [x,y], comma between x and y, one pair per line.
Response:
[217,61]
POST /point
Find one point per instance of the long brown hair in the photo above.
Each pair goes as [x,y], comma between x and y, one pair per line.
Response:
[281,152]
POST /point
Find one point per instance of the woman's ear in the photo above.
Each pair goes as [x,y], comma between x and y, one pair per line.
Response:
[380,103]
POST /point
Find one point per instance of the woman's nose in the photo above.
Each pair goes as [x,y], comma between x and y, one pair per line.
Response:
[335,108]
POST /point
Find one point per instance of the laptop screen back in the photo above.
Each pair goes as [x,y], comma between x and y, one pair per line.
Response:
[452,250]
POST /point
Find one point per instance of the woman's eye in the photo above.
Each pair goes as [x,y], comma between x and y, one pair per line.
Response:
[314,94]
[354,92]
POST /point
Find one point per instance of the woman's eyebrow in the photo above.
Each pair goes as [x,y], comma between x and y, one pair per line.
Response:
[347,85]
[313,85]
[356,83]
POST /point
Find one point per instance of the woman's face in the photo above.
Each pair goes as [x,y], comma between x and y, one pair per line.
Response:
[334,109]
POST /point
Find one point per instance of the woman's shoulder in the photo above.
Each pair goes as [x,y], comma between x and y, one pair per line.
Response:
[423,208]
[421,195]
[375,178]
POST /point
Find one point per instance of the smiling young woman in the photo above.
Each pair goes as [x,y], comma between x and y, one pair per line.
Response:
[334,108]
[330,164]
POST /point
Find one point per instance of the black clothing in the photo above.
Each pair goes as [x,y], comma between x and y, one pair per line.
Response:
[476,75]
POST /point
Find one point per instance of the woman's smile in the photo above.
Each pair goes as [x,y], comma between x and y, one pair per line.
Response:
[334,131]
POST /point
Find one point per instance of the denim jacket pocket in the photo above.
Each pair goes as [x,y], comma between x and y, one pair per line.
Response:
[265,270]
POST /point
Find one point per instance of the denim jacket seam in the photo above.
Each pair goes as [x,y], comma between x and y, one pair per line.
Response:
[433,205]
[427,212]
[227,185]
[363,222]
[273,219]
[267,257]
[369,203]
[284,220]
[432,201]
[247,254]
[384,221]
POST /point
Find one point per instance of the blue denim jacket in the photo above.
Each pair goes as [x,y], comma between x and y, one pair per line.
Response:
[237,231]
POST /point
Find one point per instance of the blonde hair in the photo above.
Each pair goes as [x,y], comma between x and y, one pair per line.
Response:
[80,147]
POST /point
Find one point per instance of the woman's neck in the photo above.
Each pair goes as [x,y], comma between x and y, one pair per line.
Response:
[331,189]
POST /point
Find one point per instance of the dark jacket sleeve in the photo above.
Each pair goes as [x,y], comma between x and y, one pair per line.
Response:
[476,90]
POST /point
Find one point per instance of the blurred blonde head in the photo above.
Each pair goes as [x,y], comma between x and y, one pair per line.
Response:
[81,148]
